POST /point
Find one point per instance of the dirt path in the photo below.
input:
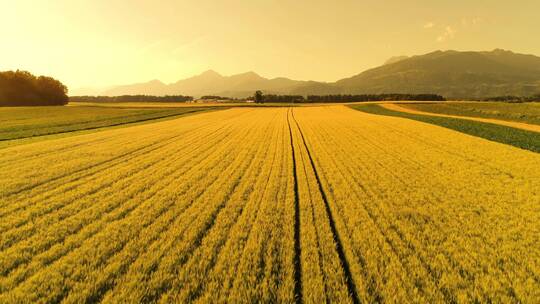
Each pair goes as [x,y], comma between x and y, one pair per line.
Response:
[513,124]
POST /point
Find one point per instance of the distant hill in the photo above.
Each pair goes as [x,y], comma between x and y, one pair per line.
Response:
[211,83]
[395,59]
[452,74]
[154,87]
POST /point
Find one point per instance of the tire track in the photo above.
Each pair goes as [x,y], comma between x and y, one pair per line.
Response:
[404,236]
[463,273]
[381,222]
[339,246]
[297,249]
[380,225]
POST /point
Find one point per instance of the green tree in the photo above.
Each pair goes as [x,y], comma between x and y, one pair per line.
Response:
[259,98]
[20,88]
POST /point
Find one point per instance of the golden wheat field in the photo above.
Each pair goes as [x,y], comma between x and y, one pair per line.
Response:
[305,204]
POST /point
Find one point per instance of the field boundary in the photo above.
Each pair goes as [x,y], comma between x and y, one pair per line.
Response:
[339,245]
[527,140]
[513,124]
[106,127]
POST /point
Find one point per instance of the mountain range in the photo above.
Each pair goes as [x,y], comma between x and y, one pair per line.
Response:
[453,74]
[210,83]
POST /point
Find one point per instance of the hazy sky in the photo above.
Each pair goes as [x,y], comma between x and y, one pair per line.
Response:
[109,42]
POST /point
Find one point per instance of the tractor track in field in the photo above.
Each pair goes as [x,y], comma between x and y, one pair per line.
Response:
[297,248]
[339,246]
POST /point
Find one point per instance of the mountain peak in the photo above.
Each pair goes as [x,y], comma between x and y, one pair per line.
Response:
[155,81]
[210,73]
[246,74]
[251,73]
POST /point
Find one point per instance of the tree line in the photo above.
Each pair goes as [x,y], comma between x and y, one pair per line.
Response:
[338,98]
[262,98]
[21,88]
[511,98]
[374,97]
[132,98]
[215,97]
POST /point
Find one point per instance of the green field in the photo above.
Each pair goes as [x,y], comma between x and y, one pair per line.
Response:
[18,123]
[527,140]
[528,112]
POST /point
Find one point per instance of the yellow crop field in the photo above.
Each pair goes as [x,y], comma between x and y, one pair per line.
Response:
[272,205]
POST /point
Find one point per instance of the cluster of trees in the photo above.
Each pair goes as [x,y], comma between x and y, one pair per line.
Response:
[374,97]
[214,97]
[132,98]
[260,97]
[514,98]
[21,88]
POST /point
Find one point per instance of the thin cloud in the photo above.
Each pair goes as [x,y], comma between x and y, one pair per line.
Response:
[477,20]
[466,22]
[429,25]
[449,33]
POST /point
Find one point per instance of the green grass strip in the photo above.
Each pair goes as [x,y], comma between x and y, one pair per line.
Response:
[523,139]
[10,139]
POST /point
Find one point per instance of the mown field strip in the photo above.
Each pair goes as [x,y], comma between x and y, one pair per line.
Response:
[513,124]
[524,112]
[24,124]
[517,137]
